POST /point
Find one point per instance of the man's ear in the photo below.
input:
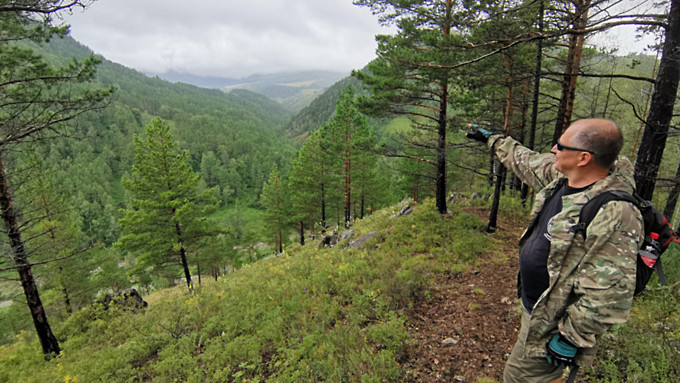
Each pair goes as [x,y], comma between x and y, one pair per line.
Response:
[585,159]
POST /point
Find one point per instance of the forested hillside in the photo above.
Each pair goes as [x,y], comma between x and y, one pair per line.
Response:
[318,111]
[235,136]
[232,139]
[293,90]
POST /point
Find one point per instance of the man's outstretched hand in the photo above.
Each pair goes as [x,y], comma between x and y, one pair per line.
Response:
[478,134]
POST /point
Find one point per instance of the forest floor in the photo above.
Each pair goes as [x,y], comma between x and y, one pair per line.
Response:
[467,329]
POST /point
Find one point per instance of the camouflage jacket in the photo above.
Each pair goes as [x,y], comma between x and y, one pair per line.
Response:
[591,282]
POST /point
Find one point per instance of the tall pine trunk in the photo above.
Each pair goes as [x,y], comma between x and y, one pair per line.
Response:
[416,183]
[524,188]
[198,270]
[440,188]
[182,253]
[64,292]
[363,199]
[53,238]
[661,110]
[536,93]
[441,149]
[302,232]
[672,200]
[348,185]
[493,215]
[572,68]
[48,341]
[323,201]
[501,173]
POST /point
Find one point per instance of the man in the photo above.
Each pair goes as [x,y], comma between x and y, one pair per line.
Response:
[572,290]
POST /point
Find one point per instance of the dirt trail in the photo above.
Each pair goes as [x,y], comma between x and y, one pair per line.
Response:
[469,326]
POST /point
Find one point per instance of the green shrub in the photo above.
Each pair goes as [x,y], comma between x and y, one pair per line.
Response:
[512,206]
[464,222]
[647,348]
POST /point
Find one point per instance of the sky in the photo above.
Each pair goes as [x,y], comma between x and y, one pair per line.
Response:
[229,38]
[238,38]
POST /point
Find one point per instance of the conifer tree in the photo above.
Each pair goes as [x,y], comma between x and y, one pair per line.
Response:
[365,168]
[347,136]
[306,186]
[37,100]
[412,75]
[54,238]
[165,214]
[276,214]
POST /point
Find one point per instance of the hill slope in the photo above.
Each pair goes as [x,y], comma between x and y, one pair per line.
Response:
[416,298]
[312,314]
[318,111]
[294,90]
[240,132]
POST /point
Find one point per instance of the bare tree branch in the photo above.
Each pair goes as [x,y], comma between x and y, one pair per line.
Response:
[74,253]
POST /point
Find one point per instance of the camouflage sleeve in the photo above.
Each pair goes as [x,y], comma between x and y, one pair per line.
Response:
[605,279]
[533,168]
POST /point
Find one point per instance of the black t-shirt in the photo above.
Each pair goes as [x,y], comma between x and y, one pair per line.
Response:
[533,257]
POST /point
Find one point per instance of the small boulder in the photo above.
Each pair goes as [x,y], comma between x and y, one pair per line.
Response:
[361,241]
[347,235]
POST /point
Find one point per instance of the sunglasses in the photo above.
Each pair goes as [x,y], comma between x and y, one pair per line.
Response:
[561,147]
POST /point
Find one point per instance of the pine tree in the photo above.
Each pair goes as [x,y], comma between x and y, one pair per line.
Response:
[413,75]
[305,187]
[347,136]
[365,170]
[55,238]
[166,214]
[276,214]
[38,99]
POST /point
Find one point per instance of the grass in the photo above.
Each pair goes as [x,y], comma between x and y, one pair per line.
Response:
[312,314]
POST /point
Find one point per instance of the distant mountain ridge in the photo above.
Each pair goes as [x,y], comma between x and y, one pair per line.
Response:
[294,90]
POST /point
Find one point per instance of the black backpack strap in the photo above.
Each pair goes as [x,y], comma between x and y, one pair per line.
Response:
[592,207]
[663,280]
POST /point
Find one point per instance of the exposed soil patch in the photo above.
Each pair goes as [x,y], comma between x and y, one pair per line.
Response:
[469,326]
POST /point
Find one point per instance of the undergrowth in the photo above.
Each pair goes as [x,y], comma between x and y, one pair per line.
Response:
[312,314]
[647,348]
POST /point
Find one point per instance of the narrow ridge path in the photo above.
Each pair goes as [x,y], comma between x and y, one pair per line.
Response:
[467,328]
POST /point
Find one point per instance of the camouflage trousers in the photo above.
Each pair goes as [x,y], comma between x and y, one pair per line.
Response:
[519,369]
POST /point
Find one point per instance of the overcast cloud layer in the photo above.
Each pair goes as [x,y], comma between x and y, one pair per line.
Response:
[229,38]
[238,38]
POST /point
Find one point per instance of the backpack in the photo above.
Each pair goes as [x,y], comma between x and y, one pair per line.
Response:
[658,233]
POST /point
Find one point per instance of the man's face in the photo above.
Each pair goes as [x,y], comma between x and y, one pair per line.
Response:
[566,160]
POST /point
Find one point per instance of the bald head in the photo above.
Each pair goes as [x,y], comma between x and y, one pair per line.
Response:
[600,136]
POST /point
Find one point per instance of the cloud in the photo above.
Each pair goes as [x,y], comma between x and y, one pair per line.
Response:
[229,38]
